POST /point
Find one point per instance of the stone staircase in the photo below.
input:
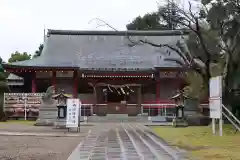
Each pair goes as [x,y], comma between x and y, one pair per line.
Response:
[117,118]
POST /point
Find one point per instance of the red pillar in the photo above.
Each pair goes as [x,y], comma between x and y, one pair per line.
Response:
[75,87]
[157,91]
[54,79]
[34,83]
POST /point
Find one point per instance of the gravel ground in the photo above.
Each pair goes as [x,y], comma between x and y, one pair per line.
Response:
[38,147]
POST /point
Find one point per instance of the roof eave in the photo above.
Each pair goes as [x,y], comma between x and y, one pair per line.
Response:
[10,66]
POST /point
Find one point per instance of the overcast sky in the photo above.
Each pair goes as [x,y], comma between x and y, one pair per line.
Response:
[22,21]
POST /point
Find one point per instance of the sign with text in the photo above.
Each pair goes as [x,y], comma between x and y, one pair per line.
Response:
[73,105]
[215,86]
[215,98]
[215,108]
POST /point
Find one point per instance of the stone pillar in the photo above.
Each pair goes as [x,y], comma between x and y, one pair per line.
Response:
[75,87]
[54,75]
[34,89]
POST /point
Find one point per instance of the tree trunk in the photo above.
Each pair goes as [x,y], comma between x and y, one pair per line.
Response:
[2,115]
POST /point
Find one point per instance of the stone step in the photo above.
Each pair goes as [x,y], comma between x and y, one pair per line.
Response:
[117,118]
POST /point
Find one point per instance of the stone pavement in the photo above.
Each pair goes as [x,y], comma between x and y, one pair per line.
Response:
[124,141]
[45,131]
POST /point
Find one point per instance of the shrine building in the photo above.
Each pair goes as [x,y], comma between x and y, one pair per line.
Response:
[111,70]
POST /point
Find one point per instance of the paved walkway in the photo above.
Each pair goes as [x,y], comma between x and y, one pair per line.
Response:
[123,141]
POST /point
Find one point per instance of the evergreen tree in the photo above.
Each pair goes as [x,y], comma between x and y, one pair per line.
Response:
[3,89]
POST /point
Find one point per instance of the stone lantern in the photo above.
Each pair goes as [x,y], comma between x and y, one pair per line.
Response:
[179,119]
[105,94]
[61,104]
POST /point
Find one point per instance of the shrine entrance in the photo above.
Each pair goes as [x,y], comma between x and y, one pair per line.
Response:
[116,102]
[117,99]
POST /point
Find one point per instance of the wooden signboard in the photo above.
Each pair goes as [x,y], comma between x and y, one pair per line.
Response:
[22,105]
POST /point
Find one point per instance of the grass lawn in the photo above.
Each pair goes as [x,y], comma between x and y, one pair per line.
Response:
[200,142]
[19,122]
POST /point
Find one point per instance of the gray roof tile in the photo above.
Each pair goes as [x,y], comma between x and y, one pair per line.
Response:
[103,51]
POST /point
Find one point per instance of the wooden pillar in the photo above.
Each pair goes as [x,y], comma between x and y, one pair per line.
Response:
[34,89]
[54,75]
[96,109]
[140,99]
[95,95]
[75,87]
[158,91]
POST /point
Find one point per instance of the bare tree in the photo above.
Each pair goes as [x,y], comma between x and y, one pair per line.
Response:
[205,46]
[187,59]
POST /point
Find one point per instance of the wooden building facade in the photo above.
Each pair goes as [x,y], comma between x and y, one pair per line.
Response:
[111,70]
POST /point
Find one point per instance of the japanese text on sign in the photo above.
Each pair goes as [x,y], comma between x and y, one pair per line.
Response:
[72,112]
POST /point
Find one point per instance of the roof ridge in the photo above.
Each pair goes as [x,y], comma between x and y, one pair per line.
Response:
[120,33]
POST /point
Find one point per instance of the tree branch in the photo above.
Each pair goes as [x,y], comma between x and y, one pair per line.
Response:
[186,57]
[102,21]
[133,43]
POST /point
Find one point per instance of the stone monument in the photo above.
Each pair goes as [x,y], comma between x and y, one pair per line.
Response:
[192,113]
[48,110]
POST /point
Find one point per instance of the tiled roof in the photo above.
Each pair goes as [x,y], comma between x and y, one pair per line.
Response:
[107,50]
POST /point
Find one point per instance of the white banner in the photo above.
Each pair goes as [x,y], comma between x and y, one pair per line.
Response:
[215,86]
[215,97]
[72,112]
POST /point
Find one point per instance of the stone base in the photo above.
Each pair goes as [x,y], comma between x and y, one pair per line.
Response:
[47,115]
[44,122]
[101,110]
[195,118]
[177,122]
[60,123]
[198,120]
[133,111]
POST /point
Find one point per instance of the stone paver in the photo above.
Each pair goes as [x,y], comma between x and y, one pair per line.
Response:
[123,141]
